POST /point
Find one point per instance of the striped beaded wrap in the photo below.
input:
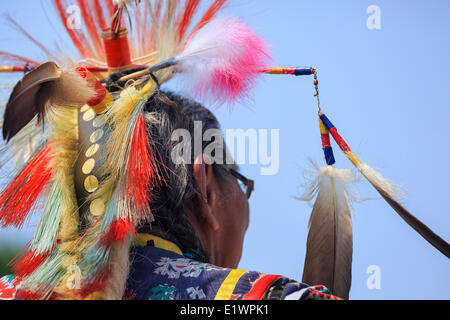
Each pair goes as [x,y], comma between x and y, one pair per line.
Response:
[339,140]
[326,144]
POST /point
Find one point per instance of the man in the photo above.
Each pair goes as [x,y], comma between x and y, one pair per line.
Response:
[100,155]
[192,248]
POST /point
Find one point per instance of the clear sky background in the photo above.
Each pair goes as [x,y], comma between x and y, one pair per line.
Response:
[388,93]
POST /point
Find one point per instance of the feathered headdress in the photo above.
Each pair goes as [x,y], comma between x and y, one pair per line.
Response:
[94,156]
[86,155]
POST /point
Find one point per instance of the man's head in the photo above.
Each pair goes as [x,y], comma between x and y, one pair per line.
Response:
[203,208]
[219,214]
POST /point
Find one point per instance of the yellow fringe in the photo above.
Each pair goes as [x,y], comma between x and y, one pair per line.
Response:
[119,117]
[65,136]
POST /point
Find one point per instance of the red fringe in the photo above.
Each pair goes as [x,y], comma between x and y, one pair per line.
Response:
[32,39]
[143,172]
[19,198]
[30,295]
[118,231]
[157,9]
[185,21]
[129,295]
[141,169]
[78,38]
[147,36]
[93,29]
[30,262]
[215,7]
[27,295]
[56,296]
[111,7]
[98,284]
[99,14]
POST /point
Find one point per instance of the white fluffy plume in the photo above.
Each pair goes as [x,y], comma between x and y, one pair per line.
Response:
[223,59]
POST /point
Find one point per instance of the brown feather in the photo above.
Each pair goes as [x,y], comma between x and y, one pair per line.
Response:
[329,249]
[23,106]
[46,85]
[416,224]
[388,191]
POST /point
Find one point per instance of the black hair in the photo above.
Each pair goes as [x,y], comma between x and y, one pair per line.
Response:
[166,112]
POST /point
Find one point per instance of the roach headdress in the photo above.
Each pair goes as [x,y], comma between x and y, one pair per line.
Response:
[90,162]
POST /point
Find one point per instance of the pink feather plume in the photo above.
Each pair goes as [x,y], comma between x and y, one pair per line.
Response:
[223,60]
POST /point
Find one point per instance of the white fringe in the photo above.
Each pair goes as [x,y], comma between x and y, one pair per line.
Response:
[320,176]
[115,288]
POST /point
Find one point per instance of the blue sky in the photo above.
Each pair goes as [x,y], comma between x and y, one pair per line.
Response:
[388,93]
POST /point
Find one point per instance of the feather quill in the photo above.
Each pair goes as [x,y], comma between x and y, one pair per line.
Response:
[329,250]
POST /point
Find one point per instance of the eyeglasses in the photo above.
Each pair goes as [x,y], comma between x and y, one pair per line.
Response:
[247,185]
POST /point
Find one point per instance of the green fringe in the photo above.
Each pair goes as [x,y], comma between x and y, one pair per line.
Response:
[96,259]
[45,278]
[47,230]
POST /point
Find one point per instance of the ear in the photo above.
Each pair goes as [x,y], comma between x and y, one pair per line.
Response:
[204,179]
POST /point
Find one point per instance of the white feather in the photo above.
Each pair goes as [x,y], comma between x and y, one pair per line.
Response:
[223,60]
[380,182]
[115,288]
[208,49]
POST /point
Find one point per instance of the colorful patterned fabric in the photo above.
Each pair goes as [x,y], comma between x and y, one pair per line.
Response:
[165,274]
[158,274]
